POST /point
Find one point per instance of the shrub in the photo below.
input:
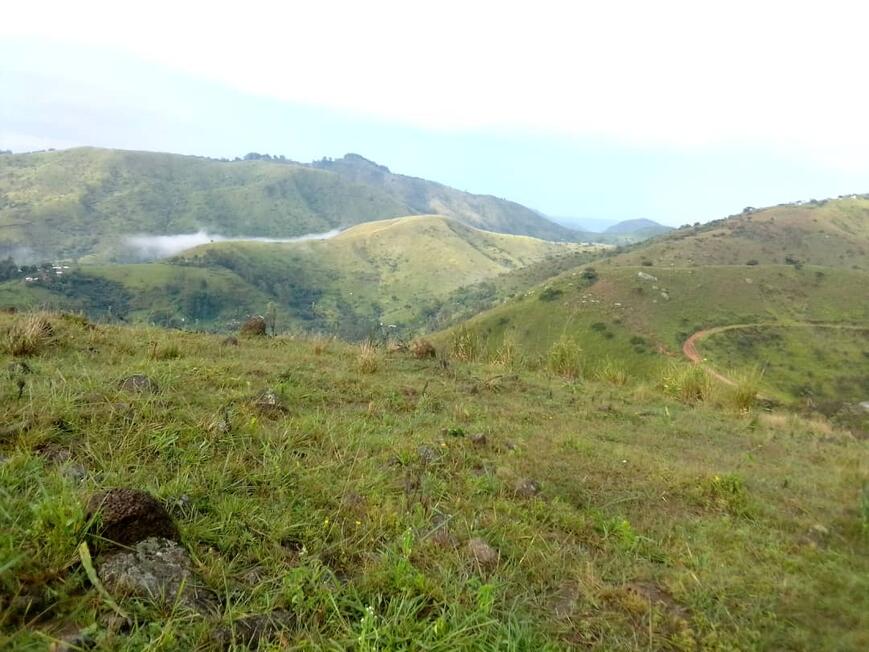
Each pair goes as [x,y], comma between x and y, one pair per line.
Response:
[254,327]
[465,344]
[564,358]
[550,294]
[686,382]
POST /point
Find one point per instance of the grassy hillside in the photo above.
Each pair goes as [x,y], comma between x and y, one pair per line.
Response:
[482,211]
[390,271]
[638,317]
[407,272]
[830,233]
[83,203]
[823,365]
[332,497]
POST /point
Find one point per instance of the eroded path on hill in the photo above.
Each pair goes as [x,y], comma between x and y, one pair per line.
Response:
[689,347]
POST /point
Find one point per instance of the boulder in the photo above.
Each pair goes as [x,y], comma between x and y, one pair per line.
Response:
[157,569]
[254,327]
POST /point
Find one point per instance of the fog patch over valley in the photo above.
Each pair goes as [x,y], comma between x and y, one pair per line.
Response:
[153,247]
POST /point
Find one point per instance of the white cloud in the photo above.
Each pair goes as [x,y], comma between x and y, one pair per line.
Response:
[673,73]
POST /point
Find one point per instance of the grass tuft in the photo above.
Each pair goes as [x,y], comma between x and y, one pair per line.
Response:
[564,358]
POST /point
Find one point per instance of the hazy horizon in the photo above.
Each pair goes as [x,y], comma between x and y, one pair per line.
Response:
[662,116]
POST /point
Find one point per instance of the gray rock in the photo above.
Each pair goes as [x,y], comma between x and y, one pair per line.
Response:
[479,440]
[527,488]
[157,569]
[139,384]
[253,630]
[427,454]
[482,553]
[269,404]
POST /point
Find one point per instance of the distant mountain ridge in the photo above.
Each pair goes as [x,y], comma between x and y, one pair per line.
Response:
[82,203]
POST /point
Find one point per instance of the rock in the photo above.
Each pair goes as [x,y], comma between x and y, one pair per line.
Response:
[482,553]
[114,623]
[427,454]
[157,569]
[74,471]
[646,277]
[269,404]
[527,488]
[232,340]
[18,369]
[254,327]
[422,348]
[127,516]
[74,641]
[139,384]
[253,630]
[479,440]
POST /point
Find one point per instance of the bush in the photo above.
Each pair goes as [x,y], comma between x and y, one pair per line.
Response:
[254,327]
[507,355]
[564,358]
[550,294]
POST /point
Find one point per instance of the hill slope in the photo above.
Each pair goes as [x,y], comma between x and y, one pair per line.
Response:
[330,497]
[482,211]
[85,202]
[400,271]
[390,271]
[830,233]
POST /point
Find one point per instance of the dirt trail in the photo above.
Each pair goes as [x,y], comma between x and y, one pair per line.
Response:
[689,347]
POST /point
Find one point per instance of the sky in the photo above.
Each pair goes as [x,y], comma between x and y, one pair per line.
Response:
[674,111]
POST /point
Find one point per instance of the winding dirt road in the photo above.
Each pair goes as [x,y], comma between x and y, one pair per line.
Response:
[689,347]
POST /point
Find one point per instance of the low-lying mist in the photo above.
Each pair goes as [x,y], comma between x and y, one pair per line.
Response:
[153,247]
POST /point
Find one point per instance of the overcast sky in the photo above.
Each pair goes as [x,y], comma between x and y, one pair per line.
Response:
[676,111]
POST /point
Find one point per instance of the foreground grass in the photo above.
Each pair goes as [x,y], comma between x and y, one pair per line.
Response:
[660,525]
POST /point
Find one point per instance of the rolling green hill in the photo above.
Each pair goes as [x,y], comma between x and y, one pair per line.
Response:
[481,211]
[832,233]
[83,203]
[401,271]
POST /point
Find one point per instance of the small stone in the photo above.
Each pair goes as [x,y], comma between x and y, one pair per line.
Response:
[270,404]
[479,440]
[427,454]
[251,631]
[157,569]
[527,488]
[127,516]
[114,623]
[139,384]
[482,553]
[73,642]
[75,472]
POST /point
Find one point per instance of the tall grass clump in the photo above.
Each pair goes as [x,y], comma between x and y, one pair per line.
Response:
[464,344]
[687,382]
[564,358]
[29,336]
[743,393]
[507,355]
[367,361]
[611,372]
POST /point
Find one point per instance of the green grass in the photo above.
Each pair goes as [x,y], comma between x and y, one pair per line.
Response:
[799,363]
[641,323]
[661,524]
